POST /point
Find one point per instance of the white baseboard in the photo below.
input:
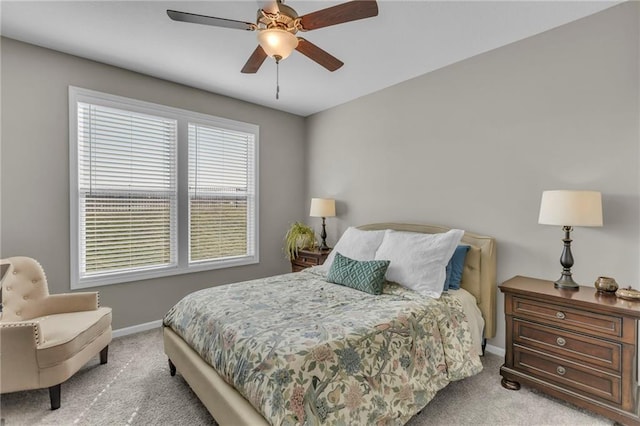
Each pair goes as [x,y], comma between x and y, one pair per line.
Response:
[494,350]
[137,328]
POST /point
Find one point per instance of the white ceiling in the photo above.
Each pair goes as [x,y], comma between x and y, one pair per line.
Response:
[406,39]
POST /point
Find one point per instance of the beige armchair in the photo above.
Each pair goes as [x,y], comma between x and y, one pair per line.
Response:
[45,339]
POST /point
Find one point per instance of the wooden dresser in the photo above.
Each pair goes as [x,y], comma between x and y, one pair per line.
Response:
[309,258]
[579,346]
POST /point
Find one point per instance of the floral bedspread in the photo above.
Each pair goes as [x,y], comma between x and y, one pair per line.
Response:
[305,351]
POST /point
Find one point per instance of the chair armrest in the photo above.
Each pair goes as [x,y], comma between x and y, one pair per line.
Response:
[19,331]
[69,302]
[18,361]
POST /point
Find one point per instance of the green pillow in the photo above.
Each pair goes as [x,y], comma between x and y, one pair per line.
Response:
[367,276]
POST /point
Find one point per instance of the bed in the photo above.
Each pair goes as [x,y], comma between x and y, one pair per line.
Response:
[333,382]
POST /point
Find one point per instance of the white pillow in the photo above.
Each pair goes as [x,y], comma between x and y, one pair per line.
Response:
[418,261]
[356,244]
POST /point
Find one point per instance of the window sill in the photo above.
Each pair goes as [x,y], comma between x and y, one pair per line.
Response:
[131,277]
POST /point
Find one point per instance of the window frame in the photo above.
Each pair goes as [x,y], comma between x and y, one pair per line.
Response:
[183,118]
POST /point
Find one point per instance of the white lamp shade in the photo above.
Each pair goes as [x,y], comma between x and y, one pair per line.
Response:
[571,208]
[322,207]
[277,42]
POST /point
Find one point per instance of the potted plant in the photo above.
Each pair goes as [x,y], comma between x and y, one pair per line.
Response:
[299,236]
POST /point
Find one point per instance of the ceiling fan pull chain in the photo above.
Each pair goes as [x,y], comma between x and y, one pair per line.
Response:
[277,79]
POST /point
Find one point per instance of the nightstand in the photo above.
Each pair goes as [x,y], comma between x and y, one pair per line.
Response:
[309,258]
[579,346]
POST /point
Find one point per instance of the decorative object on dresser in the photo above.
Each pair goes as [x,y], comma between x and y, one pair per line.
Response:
[324,208]
[581,347]
[606,285]
[307,258]
[628,294]
[569,209]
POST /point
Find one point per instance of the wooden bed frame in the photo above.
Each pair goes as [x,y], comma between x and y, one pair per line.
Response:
[228,407]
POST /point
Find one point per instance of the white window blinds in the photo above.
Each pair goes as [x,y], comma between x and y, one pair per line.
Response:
[157,191]
[222,193]
[127,192]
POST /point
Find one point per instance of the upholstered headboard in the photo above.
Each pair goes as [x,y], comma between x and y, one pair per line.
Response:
[479,275]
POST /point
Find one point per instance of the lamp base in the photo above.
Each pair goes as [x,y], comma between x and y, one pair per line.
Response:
[565,282]
[323,235]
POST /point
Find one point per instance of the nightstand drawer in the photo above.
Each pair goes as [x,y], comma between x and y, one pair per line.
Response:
[308,258]
[588,382]
[299,263]
[589,350]
[295,267]
[569,318]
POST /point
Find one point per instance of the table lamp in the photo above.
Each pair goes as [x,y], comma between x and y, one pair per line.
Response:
[323,207]
[568,209]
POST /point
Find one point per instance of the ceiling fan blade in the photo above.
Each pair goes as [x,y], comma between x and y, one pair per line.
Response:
[255,61]
[314,53]
[345,12]
[209,20]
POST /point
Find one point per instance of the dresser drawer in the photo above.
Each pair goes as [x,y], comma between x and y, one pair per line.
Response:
[585,381]
[578,347]
[568,318]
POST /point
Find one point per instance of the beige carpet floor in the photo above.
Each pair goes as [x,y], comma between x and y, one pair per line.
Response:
[135,388]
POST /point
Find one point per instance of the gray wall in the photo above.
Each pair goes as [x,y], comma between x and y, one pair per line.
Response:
[473,146]
[35,171]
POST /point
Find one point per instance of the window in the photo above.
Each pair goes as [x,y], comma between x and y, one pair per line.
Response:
[126,190]
[221,198]
[133,216]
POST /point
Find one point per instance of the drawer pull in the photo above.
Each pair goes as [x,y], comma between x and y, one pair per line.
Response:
[560,315]
[561,370]
[560,341]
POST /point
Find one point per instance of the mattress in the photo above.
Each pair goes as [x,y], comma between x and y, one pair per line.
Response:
[302,350]
[473,315]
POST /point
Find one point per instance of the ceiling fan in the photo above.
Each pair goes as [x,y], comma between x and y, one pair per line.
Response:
[277,25]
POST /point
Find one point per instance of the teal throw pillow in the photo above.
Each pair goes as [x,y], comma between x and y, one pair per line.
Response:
[367,276]
[455,267]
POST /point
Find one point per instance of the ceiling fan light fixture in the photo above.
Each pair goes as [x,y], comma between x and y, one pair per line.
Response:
[277,42]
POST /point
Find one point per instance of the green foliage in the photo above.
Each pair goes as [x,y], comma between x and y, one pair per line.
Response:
[299,236]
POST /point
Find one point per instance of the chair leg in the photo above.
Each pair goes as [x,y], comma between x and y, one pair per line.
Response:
[104,354]
[172,368]
[54,396]
[54,391]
